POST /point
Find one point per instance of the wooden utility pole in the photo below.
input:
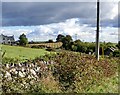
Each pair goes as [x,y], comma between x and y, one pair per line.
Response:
[97,32]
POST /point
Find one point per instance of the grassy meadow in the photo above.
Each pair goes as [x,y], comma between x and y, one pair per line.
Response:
[21,53]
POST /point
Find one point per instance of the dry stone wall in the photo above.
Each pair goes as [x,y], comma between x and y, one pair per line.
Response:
[23,74]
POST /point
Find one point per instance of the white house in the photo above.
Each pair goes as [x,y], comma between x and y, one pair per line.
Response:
[7,39]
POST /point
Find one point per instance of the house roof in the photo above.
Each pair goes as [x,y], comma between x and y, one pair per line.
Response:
[11,37]
[112,49]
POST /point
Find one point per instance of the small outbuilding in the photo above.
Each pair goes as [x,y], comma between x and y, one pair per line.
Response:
[109,50]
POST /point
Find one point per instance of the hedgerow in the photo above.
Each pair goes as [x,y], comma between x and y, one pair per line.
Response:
[68,72]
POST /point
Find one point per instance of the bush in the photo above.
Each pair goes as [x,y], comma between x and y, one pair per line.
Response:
[6,60]
[38,46]
[116,53]
[74,48]
[50,49]
[77,73]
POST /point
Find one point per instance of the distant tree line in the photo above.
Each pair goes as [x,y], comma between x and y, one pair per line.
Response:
[77,45]
[86,47]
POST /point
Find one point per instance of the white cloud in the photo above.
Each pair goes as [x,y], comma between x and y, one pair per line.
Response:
[114,11]
[108,10]
[109,34]
[15,32]
[70,26]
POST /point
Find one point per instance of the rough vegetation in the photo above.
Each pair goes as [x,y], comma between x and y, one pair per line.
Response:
[64,72]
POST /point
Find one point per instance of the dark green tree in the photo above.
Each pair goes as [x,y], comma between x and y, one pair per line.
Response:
[23,40]
[50,41]
[77,41]
[74,48]
[67,42]
[59,38]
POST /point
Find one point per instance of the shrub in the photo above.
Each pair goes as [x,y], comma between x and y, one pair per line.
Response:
[72,69]
[50,49]
[38,46]
[6,60]
[116,53]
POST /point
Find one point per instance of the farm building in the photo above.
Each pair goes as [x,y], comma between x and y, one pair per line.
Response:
[109,50]
[7,39]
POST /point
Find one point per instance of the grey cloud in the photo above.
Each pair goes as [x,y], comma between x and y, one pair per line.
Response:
[39,13]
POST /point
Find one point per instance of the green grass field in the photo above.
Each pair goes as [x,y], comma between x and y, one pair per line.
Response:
[21,52]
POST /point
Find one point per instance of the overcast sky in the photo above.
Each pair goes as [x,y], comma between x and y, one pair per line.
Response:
[45,20]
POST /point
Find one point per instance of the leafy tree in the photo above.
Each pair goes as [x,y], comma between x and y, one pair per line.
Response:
[50,41]
[84,48]
[91,47]
[23,40]
[67,42]
[78,41]
[59,38]
[74,48]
